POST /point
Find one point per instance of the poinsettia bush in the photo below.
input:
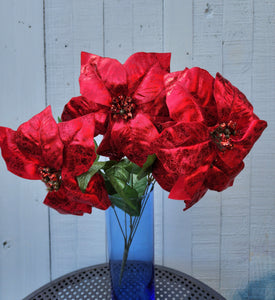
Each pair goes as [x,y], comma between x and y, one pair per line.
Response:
[185,130]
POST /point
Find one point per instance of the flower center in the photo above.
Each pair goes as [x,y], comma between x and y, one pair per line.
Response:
[51,178]
[122,107]
[222,135]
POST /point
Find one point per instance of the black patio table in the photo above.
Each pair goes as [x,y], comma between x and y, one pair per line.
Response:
[94,283]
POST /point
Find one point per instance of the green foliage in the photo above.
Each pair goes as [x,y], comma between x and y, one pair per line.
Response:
[125,182]
[84,179]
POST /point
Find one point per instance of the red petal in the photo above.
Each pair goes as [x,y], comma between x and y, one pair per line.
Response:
[150,94]
[80,106]
[180,104]
[241,147]
[134,138]
[190,96]
[220,176]
[231,103]
[140,63]
[190,188]
[101,76]
[79,152]
[60,202]
[185,160]
[16,161]
[182,134]
[107,147]
[95,194]
[77,107]
[39,139]
[165,179]
[151,87]
[96,187]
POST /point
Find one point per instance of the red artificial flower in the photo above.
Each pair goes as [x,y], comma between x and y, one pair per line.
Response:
[216,128]
[56,154]
[128,101]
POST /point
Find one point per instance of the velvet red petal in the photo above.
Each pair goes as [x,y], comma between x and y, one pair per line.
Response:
[77,107]
[151,86]
[242,146]
[134,138]
[79,150]
[150,94]
[182,134]
[96,187]
[60,202]
[39,139]
[101,78]
[165,179]
[16,161]
[190,188]
[95,194]
[185,160]
[107,147]
[190,96]
[180,104]
[138,64]
[220,176]
[80,106]
[92,87]
[231,103]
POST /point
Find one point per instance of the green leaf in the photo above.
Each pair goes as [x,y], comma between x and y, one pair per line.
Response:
[117,183]
[133,168]
[130,202]
[139,184]
[59,120]
[110,189]
[146,168]
[84,179]
[109,164]
[118,172]
[96,146]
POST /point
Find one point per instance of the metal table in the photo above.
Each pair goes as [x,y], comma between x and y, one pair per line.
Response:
[94,283]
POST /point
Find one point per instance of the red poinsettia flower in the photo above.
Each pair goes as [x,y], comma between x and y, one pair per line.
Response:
[215,130]
[129,101]
[56,154]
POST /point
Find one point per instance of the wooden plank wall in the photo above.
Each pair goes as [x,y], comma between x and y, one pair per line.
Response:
[228,239]
[24,231]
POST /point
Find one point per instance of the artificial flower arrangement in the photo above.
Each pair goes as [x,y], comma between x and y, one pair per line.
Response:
[186,130]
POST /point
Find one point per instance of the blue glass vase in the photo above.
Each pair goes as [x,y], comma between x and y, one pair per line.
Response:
[131,251]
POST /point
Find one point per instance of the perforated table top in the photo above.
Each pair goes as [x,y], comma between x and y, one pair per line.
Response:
[94,283]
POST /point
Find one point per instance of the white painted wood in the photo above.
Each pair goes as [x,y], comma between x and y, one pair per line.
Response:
[237,57]
[177,233]
[118,29]
[206,215]
[71,27]
[226,240]
[262,212]
[24,231]
[178,32]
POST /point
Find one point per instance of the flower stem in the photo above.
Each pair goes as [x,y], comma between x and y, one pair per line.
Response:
[124,259]
[133,228]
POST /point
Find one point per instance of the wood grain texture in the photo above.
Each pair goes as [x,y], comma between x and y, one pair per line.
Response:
[24,231]
[177,232]
[72,27]
[206,215]
[262,191]
[227,240]
[237,66]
